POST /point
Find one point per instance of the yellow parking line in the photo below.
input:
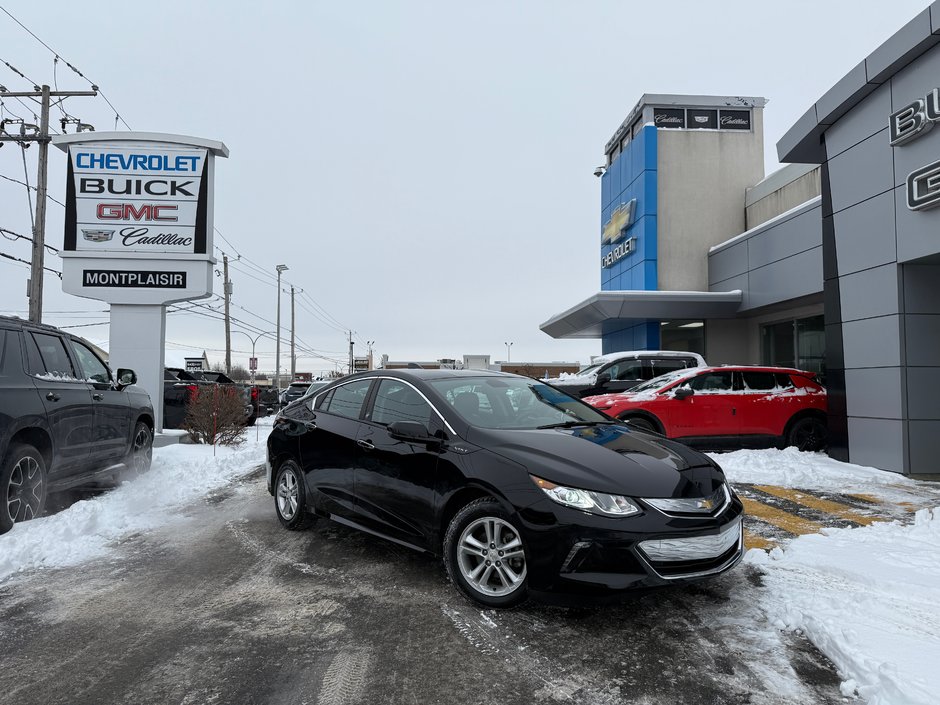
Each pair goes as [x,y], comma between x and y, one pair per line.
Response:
[813,502]
[752,540]
[782,520]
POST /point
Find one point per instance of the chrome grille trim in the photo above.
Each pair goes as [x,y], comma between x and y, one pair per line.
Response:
[672,507]
[693,548]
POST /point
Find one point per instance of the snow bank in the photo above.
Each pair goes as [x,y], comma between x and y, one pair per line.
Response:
[180,474]
[808,471]
[867,598]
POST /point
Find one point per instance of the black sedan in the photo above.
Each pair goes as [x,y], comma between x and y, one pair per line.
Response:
[521,488]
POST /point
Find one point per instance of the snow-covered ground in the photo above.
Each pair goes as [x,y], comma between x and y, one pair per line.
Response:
[867,597]
[180,474]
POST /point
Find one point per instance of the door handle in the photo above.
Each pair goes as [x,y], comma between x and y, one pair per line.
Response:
[97,397]
[368,445]
[52,396]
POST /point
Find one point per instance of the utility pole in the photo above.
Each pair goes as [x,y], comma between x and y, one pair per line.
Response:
[277,356]
[39,229]
[227,289]
[293,354]
[350,353]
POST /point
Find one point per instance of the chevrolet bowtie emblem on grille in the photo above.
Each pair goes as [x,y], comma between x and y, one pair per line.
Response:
[708,504]
[97,235]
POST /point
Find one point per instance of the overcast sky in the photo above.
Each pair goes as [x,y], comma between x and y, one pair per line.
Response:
[423,168]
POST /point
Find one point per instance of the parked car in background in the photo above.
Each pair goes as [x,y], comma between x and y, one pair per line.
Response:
[293,392]
[180,385]
[620,371]
[729,406]
[521,488]
[65,420]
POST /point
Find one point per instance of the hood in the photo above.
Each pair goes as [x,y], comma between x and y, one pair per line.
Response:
[612,458]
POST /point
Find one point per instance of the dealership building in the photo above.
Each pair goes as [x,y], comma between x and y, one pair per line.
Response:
[830,264]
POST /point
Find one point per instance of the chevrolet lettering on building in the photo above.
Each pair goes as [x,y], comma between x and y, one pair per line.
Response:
[134,279]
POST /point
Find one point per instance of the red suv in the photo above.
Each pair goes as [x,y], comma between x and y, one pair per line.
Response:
[720,407]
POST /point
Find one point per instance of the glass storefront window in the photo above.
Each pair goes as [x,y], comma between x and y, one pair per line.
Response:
[797,343]
[688,336]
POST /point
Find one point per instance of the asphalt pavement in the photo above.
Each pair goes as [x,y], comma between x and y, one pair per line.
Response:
[224,606]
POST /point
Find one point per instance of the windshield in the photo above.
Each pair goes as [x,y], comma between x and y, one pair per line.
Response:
[590,369]
[663,380]
[513,403]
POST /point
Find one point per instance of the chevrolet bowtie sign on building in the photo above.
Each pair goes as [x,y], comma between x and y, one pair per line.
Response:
[138,235]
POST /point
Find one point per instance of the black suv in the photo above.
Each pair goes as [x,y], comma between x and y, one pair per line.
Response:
[65,421]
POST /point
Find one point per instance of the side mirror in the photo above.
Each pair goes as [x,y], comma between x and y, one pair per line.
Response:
[411,432]
[126,377]
[603,379]
[684,393]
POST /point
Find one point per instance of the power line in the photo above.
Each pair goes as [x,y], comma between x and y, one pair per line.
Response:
[10,235]
[31,188]
[56,54]
[29,264]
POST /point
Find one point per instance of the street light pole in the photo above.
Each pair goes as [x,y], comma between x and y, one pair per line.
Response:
[508,352]
[277,357]
[254,341]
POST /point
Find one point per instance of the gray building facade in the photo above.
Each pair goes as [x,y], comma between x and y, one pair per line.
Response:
[838,267]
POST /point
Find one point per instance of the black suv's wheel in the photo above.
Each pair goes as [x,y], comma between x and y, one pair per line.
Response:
[141,455]
[485,556]
[290,497]
[808,433]
[22,486]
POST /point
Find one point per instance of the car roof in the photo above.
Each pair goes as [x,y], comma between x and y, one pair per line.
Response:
[614,356]
[428,375]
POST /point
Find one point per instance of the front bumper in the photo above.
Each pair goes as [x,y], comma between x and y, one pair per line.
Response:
[570,551]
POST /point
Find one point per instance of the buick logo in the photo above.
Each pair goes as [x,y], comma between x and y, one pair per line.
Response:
[97,235]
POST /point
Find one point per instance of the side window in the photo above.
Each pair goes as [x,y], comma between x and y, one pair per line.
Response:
[628,370]
[759,381]
[783,380]
[661,366]
[347,399]
[93,369]
[711,382]
[10,355]
[55,361]
[396,401]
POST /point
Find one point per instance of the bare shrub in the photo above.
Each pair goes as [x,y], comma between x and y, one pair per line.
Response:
[215,415]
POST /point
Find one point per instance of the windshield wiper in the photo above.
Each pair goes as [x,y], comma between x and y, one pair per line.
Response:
[572,424]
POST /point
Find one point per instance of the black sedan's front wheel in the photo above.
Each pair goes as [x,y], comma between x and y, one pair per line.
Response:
[22,486]
[290,500]
[485,556]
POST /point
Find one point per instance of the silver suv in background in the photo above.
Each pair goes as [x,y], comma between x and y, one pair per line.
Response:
[620,371]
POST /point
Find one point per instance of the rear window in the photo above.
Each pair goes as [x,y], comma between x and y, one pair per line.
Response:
[347,399]
[760,381]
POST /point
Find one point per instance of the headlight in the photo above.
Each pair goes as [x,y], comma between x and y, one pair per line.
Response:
[613,505]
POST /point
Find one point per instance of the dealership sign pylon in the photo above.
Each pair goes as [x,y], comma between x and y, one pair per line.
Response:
[139,235]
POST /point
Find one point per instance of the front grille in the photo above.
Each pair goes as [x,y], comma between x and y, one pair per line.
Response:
[713,505]
[693,555]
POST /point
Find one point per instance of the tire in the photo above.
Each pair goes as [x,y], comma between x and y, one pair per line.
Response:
[808,433]
[640,423]
[141,453]
[490,580]
[22,486]
[290,497]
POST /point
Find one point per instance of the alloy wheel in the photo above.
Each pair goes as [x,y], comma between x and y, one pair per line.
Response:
[25,490]
[491,558]
[288,494]
[143,450]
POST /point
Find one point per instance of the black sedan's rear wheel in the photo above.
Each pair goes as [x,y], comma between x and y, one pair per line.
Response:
[290,497]
[808,433]
[485,556]
[22,486]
